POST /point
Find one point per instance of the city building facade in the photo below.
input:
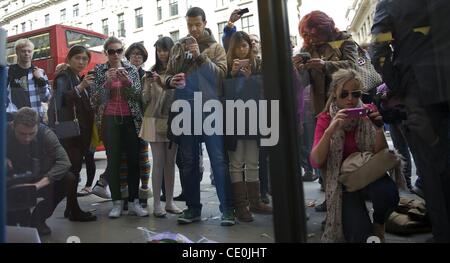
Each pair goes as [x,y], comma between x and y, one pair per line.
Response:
[130,20]
[361,15]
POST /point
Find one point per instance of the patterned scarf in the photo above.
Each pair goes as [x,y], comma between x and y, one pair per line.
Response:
[365,139]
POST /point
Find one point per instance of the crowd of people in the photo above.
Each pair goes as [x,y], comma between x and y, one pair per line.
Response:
[127,108]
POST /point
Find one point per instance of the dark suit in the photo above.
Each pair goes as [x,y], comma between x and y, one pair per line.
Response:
[68,101]
[418,76]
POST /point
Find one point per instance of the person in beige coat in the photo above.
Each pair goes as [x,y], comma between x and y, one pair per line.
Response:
[157,102]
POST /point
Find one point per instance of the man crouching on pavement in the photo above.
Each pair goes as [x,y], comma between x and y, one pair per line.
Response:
[34,149]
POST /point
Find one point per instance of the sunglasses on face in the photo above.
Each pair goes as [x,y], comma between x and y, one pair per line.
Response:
[114,51]
[355,94]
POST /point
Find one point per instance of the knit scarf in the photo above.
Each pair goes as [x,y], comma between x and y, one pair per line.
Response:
[365,139]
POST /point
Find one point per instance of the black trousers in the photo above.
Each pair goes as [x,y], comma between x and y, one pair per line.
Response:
[52,195]
[384,196]
[432,162]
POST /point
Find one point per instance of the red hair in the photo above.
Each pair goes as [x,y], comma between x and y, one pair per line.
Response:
[323,23]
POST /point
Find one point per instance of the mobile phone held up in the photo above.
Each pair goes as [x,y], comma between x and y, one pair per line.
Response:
[243,63]
[243,11]
[305,56]
[355,113]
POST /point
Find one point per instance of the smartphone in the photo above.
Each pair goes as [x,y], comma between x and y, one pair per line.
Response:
[122,70]
[304,55]
[356,113]
[243,11]
[243,63]
[149,74]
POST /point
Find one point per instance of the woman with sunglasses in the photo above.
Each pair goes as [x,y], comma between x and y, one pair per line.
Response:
[137,55]
[337,136]
[116,95]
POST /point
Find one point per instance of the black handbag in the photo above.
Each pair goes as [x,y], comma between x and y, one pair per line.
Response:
[66,129]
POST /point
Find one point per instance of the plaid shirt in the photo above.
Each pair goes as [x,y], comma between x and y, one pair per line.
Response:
[37,95]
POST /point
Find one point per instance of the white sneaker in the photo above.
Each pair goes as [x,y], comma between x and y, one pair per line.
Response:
[116,211]
[101,191]
[135,208]
[173,209]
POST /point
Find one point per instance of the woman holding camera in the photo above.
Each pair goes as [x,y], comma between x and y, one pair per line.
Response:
[157,102]
[71,101]
[243,83]
[337,136]
[116,97]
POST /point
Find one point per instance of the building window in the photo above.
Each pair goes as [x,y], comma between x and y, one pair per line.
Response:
[121,26]
[160,36]
[47,19]
[103,3]
[175,35]
[76,10]
[173,7]
[63,15]
[220,3]
[221,26]
[247,24]
[105,27]
[139,18]
[16,29]
[89,26]
[31,25]
[88,5]
[159,9]
[24,27]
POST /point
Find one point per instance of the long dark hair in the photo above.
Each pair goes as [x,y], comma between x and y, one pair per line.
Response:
[166,44]
[236,40]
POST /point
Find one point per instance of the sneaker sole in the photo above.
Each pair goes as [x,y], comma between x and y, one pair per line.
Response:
[131,213]
[184,221]
[228,223]
[114,217]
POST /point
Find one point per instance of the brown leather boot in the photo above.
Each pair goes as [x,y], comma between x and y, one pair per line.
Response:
[256,205]
[379,230]
[239,190]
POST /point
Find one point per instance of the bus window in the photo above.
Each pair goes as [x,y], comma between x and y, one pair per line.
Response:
[88,41]
[11,56]
[41,48]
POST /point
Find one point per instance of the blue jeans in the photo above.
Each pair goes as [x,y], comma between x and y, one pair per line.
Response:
[306,142]
[355,218]
[189,147]
[402,147]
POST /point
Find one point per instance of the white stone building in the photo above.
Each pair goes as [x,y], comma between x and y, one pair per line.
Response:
[361,15]
[130,20]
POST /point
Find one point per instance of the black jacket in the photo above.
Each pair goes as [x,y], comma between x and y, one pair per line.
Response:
[418,56]
[67,100]
[53,161]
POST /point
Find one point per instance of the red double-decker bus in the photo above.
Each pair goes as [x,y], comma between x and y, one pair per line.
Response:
[51,45]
